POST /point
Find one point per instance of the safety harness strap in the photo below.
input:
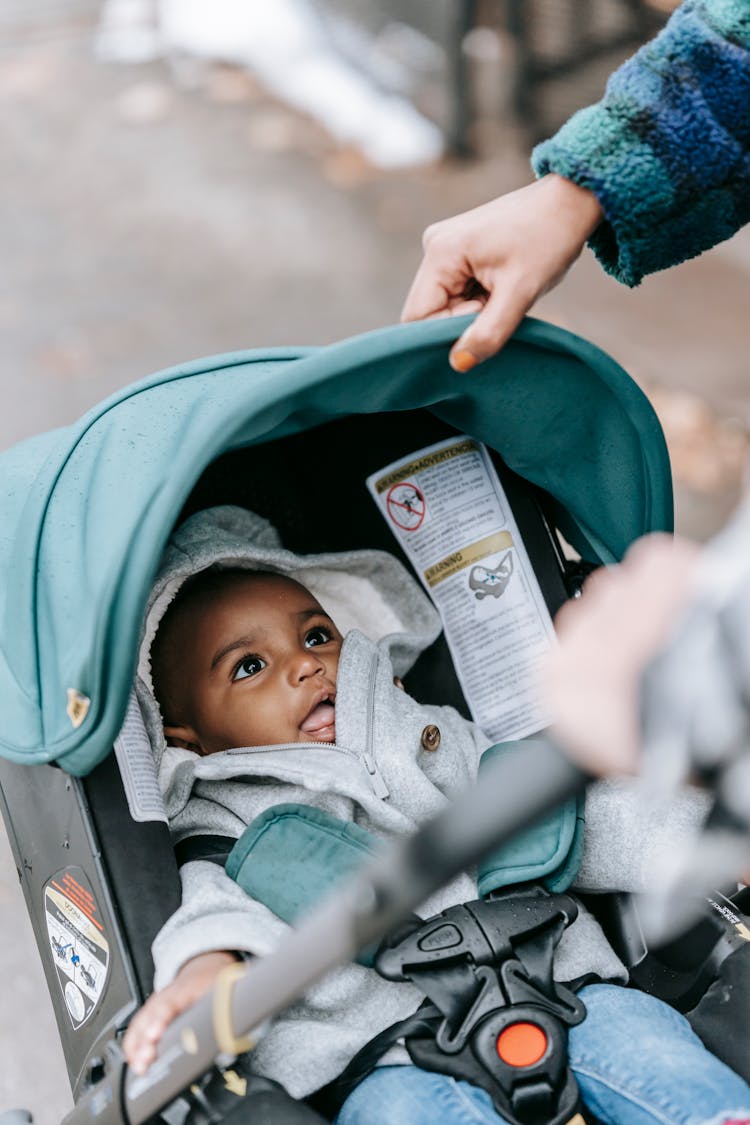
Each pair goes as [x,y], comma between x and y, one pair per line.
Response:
[330,1098]
[215,849]
[493,1014]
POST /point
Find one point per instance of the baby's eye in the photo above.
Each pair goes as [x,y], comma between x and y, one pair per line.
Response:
[250,666]
[318,636]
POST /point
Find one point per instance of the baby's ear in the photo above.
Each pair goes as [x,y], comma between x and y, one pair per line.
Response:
[184,737]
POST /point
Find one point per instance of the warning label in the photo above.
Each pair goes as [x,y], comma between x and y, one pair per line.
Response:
[405,505]
[80,951]
[447,508]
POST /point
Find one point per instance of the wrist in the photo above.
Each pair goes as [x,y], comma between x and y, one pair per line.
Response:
[576,205]
[211,959]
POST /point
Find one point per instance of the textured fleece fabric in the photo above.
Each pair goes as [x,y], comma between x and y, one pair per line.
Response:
[378,776]
[667,149]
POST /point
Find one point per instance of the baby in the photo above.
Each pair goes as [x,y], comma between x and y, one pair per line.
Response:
[241,658]
[264,702]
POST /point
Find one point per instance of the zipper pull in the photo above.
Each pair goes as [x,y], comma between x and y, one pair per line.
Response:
[376,778]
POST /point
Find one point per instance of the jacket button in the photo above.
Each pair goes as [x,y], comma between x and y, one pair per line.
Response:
[430,737]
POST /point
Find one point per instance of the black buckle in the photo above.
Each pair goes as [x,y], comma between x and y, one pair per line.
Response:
[495,1016]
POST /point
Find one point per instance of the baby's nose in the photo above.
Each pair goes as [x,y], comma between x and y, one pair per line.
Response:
[307,663]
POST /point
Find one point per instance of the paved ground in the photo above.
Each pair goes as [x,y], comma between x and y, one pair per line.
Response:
[143,224]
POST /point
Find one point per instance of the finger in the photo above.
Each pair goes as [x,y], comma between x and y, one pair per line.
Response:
[660,548]
[139,1044]
[466,306]
[505,309]
[427,295]
[137,1030]
[457,307]
[601,580]
[147,1027]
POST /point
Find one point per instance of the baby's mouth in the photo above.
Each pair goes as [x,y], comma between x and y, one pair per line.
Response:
[321,721]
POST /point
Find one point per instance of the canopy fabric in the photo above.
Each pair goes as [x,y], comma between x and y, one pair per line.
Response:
[86,510]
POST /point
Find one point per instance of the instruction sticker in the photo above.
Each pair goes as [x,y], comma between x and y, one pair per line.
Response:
[448,510]
[80,951]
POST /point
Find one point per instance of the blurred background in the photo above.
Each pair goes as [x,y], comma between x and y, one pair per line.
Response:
[185,177]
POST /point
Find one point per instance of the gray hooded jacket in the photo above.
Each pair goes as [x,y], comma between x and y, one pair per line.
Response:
[382,774]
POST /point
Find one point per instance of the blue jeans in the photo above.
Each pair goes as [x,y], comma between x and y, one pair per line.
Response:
[637,1062]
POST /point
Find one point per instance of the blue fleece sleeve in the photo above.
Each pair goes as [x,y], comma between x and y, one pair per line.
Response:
[667,149]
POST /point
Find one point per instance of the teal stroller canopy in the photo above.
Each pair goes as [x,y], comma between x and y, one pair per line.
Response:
[87,509]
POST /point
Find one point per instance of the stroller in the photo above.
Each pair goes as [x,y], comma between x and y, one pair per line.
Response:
[88,509]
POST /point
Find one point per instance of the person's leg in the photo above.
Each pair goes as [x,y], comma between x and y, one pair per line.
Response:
[395,1095]
[638,1062]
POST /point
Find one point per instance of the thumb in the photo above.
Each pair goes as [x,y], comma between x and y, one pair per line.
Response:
[498,320]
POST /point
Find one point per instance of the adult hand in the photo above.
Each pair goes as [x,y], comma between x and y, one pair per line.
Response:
[498,259]
[148,1025]
[607,638]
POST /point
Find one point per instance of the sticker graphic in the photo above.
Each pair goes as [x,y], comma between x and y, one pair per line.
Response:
[76,1003]
[406,506]
[488,583]
[80,951]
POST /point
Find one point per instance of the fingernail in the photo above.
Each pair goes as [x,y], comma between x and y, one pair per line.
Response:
[461,359]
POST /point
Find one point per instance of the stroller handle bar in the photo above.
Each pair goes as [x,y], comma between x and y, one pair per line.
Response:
[380,895]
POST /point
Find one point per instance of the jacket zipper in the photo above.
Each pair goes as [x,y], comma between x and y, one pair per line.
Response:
[376,778]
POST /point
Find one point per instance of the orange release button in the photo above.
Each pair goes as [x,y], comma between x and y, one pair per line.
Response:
[521,1044]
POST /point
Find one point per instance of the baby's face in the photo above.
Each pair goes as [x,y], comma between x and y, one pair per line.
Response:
[260,661]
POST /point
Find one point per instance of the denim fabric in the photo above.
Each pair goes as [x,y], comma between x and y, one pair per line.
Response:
[637,1062]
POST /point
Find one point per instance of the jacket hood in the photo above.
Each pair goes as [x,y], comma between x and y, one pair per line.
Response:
[368,590]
